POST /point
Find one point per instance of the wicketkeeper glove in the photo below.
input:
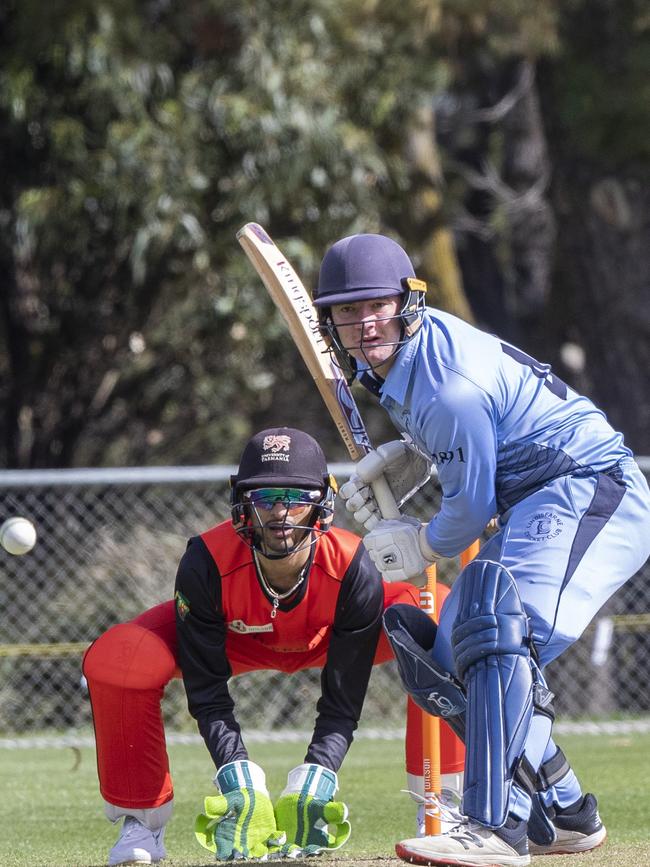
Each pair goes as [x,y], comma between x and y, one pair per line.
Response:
[239,823]
[399,549]
[404,469]
[307,813]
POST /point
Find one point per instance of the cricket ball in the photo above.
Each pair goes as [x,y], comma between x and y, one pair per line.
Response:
[17,536]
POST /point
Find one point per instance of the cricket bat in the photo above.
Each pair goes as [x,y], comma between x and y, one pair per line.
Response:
[293,301]
[291,298]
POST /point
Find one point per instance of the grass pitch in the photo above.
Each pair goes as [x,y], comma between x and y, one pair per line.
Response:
[52,812]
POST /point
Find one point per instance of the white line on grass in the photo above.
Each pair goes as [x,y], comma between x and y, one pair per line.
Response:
[586,727]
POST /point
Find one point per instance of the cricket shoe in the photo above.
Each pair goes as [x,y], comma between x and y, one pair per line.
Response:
[578,828]
[447,806]
[470,845]
[137,844]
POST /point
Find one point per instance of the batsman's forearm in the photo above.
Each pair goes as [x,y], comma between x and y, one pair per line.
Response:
[451,531]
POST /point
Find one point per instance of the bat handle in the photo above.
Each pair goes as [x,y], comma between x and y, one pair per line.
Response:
[372,475]
[385,498]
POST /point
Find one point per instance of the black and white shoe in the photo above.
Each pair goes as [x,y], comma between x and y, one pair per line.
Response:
[578,828]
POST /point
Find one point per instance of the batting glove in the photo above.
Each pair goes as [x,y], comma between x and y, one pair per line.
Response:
[404,469]
[312,821]
[399,549]
[360,500]
[239,823]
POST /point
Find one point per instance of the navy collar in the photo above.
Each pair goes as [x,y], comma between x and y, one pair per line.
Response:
[371,381]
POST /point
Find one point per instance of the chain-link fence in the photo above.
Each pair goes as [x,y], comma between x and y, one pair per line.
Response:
[108,545]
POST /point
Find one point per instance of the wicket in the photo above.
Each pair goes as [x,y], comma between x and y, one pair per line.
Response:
[431,724]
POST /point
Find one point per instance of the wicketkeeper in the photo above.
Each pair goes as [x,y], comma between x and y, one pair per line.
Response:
[509,439]
[277,587]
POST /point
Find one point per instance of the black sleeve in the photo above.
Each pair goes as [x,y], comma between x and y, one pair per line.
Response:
[344,681]
[201,635]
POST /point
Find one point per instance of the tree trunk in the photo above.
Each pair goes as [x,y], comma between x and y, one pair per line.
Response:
[598,124]
[602,294]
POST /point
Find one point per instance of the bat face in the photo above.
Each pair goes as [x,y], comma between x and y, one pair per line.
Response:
[290,284]
[290,296]
[349,408]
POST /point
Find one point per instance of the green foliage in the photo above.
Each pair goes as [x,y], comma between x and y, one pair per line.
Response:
[600,83]
[142,138]
[137,138]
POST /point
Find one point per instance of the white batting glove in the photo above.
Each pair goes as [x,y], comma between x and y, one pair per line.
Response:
[360,500]
[403,467]
[399,549]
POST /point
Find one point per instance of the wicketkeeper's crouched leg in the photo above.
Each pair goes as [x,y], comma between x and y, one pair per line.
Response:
[127,669]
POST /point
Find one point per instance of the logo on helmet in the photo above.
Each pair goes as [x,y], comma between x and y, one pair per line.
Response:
[276,448]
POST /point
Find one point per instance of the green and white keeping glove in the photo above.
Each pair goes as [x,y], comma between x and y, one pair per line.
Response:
[308,815]
[239,823]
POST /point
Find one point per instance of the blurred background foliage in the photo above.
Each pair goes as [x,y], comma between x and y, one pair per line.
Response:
[137,137]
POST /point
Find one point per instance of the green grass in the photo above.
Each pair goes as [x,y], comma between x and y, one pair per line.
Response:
[52,812]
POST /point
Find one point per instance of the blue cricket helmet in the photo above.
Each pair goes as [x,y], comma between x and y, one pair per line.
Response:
[360,267]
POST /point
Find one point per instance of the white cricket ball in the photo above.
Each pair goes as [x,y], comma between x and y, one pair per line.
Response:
[17,535]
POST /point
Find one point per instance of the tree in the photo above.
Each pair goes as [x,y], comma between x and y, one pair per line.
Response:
[138,138]
[596,98]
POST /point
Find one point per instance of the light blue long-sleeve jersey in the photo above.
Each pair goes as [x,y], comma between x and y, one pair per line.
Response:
[497,424]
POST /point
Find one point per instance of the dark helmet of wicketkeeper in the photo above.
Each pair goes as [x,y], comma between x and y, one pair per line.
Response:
[359,268]
[290,463]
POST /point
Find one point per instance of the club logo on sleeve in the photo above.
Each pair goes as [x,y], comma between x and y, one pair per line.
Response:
[182,605]
[543,526]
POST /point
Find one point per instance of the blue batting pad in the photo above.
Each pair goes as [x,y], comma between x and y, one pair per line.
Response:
[491,648]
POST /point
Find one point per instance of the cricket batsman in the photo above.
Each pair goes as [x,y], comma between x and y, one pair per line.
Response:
[276,587]
[510,439]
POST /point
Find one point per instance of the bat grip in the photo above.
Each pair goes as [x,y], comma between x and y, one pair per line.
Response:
[385,499]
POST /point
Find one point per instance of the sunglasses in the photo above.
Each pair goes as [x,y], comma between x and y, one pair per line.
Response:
[293,499]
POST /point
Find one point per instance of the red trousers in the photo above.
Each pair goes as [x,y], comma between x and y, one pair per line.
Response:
[128,667]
